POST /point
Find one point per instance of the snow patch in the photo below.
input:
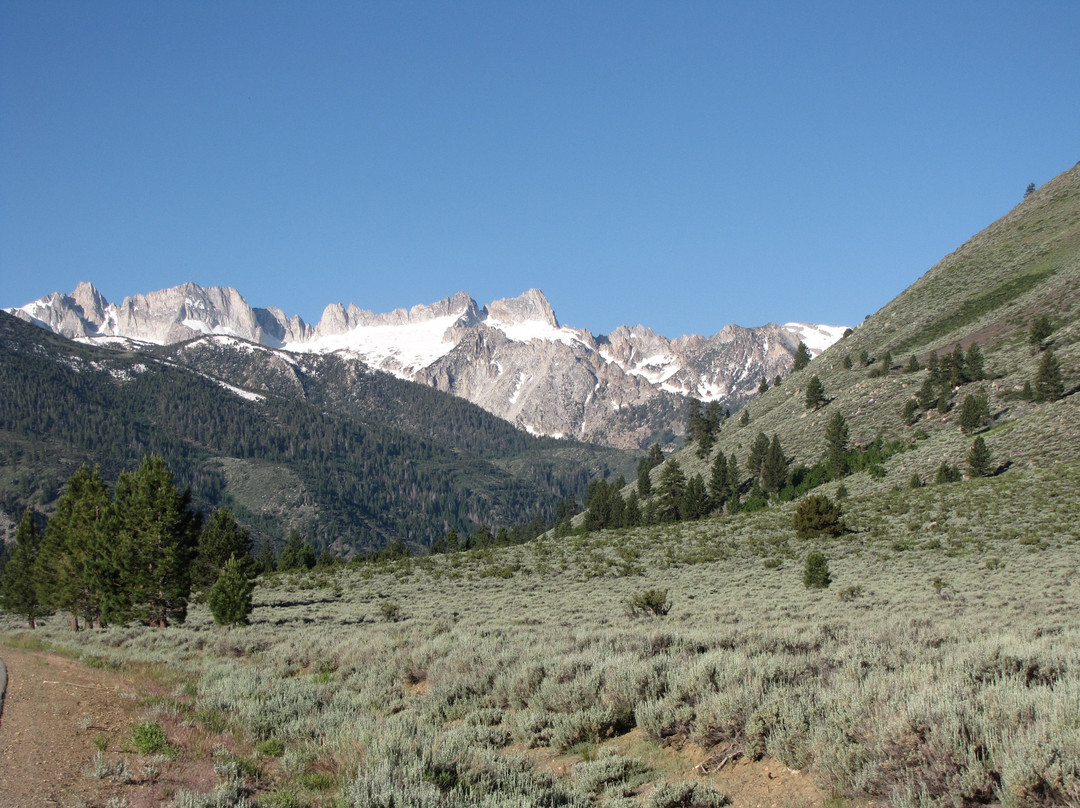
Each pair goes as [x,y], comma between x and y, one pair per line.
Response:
[816,337]
[399,349]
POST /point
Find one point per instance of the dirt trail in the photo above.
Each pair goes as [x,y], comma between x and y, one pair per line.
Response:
[54,711]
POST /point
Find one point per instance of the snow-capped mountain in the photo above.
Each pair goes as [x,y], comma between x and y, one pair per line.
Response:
[511,357]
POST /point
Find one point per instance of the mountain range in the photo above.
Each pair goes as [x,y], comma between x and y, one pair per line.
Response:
[512,357]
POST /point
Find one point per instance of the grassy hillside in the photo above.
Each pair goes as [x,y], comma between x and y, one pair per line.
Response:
[940,667]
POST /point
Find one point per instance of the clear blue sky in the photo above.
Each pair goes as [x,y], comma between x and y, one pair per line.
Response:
[678,164]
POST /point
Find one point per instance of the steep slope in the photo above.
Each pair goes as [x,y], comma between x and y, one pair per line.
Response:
[987,292]
[512,357]
[350,457]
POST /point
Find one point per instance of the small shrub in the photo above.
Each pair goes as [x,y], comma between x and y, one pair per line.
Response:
[650,601]
[271,747]
[390,611]
[149,739]
[850,593]
[685,795]
[816,573]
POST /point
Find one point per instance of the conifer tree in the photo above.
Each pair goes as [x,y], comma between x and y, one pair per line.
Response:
[847,363]
[1048,384]
[734,484]
[764,385]
[744,419]
[913,365]
[220,539]
[815,393]
[157,542]
[1041,329]
[695,502]
[774,467]
[933,364]
[632,515]
[957,367]
[757,454]
[974,412]
[230,596]
[18,584]
[836,445]
[719,487]
[297,554]
[802,356]
[974,364]
[265,561]
[76,561]
[694,420]
[644,481]
[927,397]
[979,462]
[672,489]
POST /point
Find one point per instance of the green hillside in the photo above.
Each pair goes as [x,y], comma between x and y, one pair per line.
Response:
[989,291]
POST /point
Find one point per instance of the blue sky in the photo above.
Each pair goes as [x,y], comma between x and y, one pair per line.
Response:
[677,164]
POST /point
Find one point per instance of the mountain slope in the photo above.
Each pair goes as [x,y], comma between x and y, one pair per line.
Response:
[351,457]
[987,292]
[512,357]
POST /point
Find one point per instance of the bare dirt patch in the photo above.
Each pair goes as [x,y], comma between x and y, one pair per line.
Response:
[54,712]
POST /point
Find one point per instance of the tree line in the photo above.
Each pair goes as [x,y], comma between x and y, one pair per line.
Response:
[137,553]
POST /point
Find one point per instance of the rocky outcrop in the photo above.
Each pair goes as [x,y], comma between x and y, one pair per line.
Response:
[511,357]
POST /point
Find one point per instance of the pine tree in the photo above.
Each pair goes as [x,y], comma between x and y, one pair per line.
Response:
[927,397]
[913,365]
[817,515]
[1040,331]
[957,367]
[1048,384]
[815,393]
[744,419]
[644,481]
[846,363]
[157,542]
[695,502]
[297,554]
[672,489]
[18,585]
[230,596]
[910,411]
[719,487]
[774,467]
[694,420]
[979,462]
[265,561]
[836,445]
[632,515]
[220,539]
[77,566]
[763,386]
[974,364]
[974,412]
[802,356]
[933,364]
[757,454]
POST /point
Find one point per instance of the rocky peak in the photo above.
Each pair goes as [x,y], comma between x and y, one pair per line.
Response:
[532,306]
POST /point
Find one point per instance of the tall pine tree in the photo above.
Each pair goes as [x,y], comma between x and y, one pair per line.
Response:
[18,586]
[836,445]
[157,542]
[774,467]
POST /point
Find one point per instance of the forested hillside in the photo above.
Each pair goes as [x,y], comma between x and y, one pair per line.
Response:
[350,458]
